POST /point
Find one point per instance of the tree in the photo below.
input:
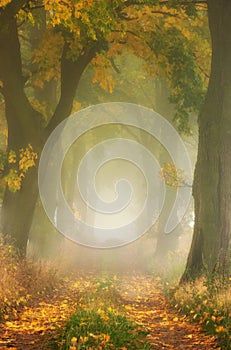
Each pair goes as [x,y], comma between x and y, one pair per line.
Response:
[210,250]
[75,34]
[24,122]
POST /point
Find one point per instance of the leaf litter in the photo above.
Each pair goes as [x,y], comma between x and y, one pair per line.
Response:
[35,325]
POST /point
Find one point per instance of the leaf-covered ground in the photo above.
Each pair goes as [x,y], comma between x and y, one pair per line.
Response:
[39,321]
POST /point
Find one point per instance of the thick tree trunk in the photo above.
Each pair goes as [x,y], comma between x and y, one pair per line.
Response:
[24,125]
[18,209]
[23,129]
[212,184]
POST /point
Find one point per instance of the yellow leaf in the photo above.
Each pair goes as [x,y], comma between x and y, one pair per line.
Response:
[74,340]
[221,329]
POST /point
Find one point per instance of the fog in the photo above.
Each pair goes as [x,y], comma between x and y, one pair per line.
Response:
[151,251]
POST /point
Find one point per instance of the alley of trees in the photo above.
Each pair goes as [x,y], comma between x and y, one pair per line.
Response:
[173,57]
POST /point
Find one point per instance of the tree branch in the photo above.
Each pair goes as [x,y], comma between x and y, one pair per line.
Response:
[71,72]
[114,66]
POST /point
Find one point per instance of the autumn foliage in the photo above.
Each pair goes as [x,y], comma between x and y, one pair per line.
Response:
[95,312]
[207,301]
[20,280]
[174,177]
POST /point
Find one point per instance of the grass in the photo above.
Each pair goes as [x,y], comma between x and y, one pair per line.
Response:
[102,329]
[100,322]
[20,280]
[207,301]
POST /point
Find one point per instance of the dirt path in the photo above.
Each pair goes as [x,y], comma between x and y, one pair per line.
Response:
[167,329]
[37,323]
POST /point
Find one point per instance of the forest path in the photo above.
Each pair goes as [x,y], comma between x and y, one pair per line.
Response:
[36,323]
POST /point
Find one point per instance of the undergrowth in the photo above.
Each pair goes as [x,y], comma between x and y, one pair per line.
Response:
[206,301]
[20,280]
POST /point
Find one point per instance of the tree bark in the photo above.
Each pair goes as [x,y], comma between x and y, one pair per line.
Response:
[71,72]
[210,250]
[17,211]
[25,125]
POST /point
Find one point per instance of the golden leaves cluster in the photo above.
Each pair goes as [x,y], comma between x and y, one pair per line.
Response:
[19,165]
[102,68]
[172,176]
[3,3]
[47,58]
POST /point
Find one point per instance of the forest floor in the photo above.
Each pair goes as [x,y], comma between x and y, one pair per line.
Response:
[37,323]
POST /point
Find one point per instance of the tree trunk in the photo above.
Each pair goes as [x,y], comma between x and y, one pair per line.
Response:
[24,125]
[17,211]
[212,184]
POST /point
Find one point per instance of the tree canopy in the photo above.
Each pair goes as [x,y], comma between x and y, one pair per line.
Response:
[47,45]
